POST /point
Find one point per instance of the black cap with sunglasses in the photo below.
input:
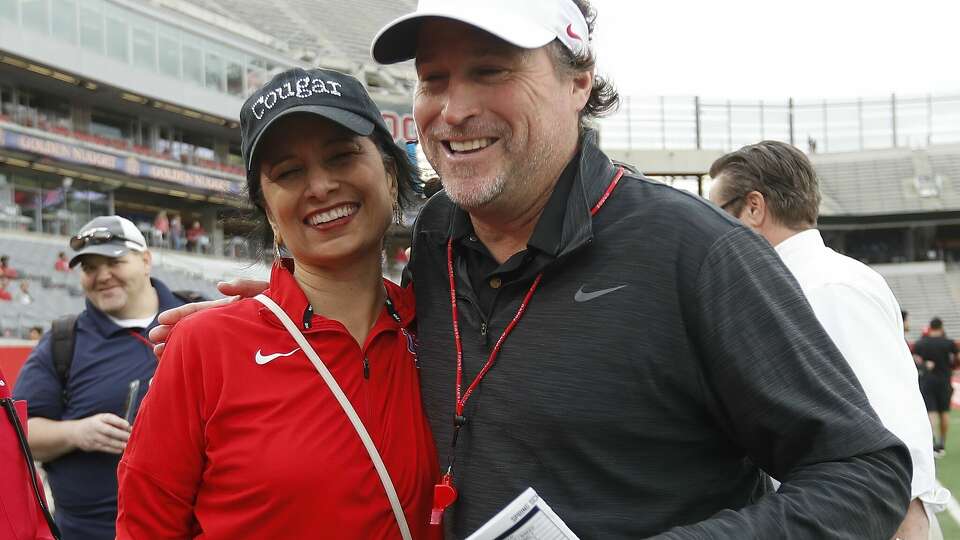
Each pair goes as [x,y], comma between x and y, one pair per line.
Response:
[108,236]
[330,94]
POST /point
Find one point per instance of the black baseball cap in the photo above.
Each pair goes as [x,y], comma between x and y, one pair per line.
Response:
[327,93]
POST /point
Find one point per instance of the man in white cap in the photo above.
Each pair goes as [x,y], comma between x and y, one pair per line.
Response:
[624,348]
[83,384]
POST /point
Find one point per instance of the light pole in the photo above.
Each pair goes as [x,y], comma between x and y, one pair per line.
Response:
[66,223]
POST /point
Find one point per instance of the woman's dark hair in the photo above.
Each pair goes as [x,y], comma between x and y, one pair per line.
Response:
[396,161]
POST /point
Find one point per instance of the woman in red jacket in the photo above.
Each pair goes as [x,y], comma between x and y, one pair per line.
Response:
[239,435]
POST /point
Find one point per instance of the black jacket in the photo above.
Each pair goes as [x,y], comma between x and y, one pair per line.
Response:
[654,406]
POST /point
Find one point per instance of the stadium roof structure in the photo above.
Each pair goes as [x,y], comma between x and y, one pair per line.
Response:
[327,33]
[890,182]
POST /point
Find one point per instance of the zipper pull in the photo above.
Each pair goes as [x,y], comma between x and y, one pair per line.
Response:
[366,368]
[483,328]
[307,317]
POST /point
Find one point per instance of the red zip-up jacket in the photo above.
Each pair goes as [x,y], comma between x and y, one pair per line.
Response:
[239,436]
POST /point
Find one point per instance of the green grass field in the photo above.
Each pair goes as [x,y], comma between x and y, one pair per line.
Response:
[948,472]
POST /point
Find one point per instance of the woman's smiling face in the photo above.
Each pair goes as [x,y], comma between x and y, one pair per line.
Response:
[325,189]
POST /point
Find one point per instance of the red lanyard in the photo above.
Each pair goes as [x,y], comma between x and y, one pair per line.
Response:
[445,493]
[144,340]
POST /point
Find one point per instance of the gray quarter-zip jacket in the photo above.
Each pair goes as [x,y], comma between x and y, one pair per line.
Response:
[651,409]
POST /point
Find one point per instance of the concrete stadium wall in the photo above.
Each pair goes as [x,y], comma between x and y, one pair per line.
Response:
[666,162]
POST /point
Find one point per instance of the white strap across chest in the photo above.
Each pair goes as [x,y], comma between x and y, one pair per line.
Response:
[347,408]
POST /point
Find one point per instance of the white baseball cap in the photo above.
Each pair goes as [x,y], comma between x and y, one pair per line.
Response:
[528,24]
[109,236]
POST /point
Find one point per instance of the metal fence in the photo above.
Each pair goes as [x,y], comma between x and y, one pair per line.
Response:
[682,123]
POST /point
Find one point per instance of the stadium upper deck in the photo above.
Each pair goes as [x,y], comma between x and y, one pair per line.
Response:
[131,107]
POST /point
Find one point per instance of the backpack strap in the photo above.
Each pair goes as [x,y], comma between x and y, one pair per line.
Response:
[64,337]
[64,340]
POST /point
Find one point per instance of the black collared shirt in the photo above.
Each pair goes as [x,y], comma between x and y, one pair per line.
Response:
[487,276]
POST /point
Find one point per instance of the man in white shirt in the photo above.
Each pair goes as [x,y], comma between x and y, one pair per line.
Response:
[772,188]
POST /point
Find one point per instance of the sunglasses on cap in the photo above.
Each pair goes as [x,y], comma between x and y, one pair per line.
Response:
[96,236]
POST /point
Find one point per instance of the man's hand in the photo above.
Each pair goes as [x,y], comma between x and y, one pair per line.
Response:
[170,317]
[234,289]
[104,432]
[244,288]
[929,365]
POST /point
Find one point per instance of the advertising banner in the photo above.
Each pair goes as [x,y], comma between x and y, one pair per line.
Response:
[129,165]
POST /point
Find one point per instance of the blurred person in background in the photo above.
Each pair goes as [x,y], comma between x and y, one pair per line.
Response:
[197,239]
[161,229]
[432,186]
[5,269]
[62,264]
[916,359]
[772,188]
[23,295]
[5,295]
[176,232]
[79,419]
[36,332]
[208,456]
[939,356]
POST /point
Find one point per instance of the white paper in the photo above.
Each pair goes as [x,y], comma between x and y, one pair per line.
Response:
[528,517]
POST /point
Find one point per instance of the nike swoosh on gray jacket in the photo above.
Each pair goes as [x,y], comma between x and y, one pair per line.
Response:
[653,409]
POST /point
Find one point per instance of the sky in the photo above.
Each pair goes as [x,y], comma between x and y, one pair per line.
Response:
[745,49]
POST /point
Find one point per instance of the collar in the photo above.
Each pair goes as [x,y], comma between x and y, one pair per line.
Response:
[286,292]
[800,245]
[105,327]
[566,224]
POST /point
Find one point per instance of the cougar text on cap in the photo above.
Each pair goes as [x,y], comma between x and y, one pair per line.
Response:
[335,96]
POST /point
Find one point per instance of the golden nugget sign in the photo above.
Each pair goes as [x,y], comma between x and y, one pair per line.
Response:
[65,152]
[128,165]
[181,176]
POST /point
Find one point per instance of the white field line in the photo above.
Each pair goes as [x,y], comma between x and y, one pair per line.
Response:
[953,507]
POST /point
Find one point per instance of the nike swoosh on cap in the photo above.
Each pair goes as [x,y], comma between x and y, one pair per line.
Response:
[582,296]
[261,359]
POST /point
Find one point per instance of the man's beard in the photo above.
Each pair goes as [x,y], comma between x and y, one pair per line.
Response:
[471,195]
[522,161]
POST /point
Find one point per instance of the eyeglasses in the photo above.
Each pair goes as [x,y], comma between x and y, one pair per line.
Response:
[731,201]
[99,235]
